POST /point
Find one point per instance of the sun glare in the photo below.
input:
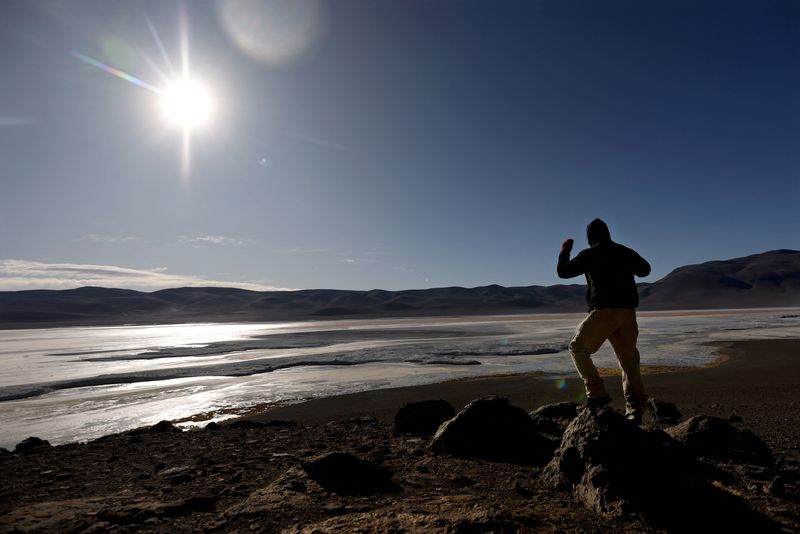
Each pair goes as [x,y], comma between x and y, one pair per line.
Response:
[186,104]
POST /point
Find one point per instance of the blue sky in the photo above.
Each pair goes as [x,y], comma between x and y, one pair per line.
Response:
[405,144]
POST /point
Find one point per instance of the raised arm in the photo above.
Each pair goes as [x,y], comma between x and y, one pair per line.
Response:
[568,268]
[639,265]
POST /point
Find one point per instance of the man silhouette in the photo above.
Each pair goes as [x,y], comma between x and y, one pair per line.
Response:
[612,296]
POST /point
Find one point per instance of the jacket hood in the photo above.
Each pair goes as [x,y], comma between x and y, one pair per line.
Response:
[597,232]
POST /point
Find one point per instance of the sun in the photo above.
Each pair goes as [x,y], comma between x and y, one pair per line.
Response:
[187,104]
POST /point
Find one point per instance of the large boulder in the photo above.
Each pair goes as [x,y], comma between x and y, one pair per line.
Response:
[422,418]
[713,437]
[490,428]
[567,410]
[345,474]
[616,468]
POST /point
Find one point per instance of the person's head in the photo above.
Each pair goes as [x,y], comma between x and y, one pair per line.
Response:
[597,232]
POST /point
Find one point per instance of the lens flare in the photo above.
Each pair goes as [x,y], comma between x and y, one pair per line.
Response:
[185,102]
[561,384]
[116,72]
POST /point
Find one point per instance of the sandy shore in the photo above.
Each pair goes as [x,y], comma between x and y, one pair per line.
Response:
[250,477]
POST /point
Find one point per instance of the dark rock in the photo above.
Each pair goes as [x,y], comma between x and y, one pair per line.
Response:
[164,426]
[297,485]
[559,410]
[334,508]
[716,438]
[212,426]
[346,474]
[160,427]
[733,418]
[422,418]
[522,491]
[245,424]
[490,428]
[365,447]
[754,472]
[663,411]
[462,481]
[180,479]
[616,468]
[30,444]
[195,503]
[777,487]
[545,425]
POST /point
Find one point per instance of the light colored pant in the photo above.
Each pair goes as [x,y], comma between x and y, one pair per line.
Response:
[618,325]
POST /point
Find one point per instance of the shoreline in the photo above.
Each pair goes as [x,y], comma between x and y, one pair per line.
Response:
[754,379]
[446,316]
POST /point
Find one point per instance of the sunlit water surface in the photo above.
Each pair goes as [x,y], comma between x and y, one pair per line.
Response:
[76,384]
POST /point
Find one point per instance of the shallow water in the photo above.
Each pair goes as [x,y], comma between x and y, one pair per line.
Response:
[75,384]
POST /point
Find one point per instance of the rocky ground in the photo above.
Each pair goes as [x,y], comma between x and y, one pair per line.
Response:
[253,477]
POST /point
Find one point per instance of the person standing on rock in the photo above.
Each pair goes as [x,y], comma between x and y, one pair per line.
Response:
[612,296]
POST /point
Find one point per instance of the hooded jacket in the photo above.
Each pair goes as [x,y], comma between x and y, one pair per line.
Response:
[609,268]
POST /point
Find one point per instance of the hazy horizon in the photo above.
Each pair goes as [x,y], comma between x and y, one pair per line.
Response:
[151,280]
[392,145]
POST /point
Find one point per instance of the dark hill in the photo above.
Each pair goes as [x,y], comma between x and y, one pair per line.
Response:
[771,279]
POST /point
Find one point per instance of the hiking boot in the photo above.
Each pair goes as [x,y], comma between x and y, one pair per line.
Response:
[597,402]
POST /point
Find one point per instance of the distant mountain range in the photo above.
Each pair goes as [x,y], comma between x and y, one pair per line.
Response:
[771,279]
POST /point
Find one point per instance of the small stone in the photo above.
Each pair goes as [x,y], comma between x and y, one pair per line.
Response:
[164,426]
[334,509]
[297,485]
[733,418]
[663,411]
[180,479]
[195,503]
[463,480]
[346,474]
[30,444]
[777,487]
[522,491]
